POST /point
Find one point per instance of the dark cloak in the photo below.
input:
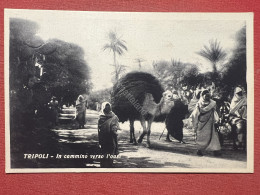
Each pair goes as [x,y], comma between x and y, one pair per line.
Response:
[107,127]
[174,123]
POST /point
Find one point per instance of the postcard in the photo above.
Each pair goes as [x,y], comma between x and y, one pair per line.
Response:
[128,92]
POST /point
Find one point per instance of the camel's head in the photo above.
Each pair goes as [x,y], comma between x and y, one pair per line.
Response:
[168,95]
[164,107]
[167,102]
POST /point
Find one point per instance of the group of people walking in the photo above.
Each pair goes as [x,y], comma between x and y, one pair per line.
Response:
[204,117]
[202,110]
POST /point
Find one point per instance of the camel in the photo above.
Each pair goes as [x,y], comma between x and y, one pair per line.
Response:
[150,110]
[140,96]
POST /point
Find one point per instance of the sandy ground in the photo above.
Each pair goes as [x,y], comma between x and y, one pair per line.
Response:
[161,154]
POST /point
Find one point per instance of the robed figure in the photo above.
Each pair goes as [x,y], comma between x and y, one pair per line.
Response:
[237,118]
[174,120]
[108,126]
[204,118]
[81,111]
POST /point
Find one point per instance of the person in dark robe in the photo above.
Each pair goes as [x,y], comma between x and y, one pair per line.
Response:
[107,133]
[174,120]
[54,108]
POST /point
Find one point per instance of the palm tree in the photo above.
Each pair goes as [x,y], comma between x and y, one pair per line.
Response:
[119,71]
[139,61]
[177,71]
[118,47]
[214,53]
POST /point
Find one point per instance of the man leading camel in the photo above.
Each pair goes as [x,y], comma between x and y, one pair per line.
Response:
[174,120]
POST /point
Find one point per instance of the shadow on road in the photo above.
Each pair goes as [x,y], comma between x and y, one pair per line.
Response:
[73,141]
[179,148]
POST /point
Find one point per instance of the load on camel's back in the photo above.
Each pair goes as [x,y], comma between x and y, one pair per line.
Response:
[139,96]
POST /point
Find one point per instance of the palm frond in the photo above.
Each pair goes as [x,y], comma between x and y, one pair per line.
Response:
[214,53]
[119,50]
[122,45]
[107,46]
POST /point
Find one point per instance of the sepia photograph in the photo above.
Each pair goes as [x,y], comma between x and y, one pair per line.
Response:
[128,92]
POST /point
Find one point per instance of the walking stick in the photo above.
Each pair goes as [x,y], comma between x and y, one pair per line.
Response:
[162,133]
[163,129]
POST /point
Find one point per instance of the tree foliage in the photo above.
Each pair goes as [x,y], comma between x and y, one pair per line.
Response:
[66,72]
[236,67]
[39,70]
[175,73]
[99,97]
[213,53]
[117,46]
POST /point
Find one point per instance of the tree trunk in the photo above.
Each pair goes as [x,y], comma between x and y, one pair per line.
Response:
[214,68]
[116,69]
[215,72]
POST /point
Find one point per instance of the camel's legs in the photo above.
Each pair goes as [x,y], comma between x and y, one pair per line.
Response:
[149,130]
[142,120]
[132,132]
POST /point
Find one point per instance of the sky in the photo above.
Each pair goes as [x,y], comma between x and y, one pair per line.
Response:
[150,36]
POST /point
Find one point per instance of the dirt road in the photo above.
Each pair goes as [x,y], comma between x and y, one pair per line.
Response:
[161,154]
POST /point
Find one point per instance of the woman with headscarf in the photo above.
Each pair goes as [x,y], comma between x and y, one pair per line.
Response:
[81,111]
[107,133]
[238,104]
[203,118]
[174,120]
[237,118]
[194,100]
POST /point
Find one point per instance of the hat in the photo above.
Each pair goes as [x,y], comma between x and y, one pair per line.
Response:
[238,89]
[204,92]
[81,98]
